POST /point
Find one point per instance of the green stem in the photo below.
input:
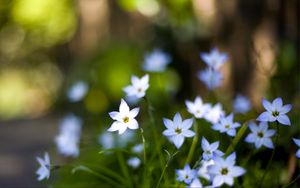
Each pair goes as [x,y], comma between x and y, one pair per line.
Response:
[272,156]
[124,168]
[291,182]
[237,138]
[194,144]
[144,145]
[162,174]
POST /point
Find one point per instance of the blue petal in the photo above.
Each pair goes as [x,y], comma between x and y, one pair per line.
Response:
[265,116]
[284,119]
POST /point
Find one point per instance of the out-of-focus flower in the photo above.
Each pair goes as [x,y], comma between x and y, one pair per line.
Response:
[109,140]
[214,59]
[156,61]
[214,114]
[44,171]
[134,162]
[195,184]
[138,87]
[210,150]
[211,78]
[276,111]
[77,91]
[224,170]
[138,148]
[69,136]
[297,142]
[260,135]
[197,108]
[177,129]
[227,125]
[124,119]
[241,104]
[203,170]
[186,174]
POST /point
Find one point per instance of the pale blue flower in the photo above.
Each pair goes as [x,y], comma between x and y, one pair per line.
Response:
[137,148]
[177,129]
[241,104]
[44,171]
[156,61]
[214,113]
[224,170]
[69,136]
[124,119]
[276,111]
[134,162]
[107,140]
[195,184]
[210,150]
[261,135]
[186,174]
[211,78]
[203,170]
[227,125]
[214,59]
[77,91]
[197,108]
[138,86]
[297,142]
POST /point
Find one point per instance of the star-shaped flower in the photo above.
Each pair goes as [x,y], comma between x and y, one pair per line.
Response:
[197,108]
[214,59]
[44,171]
[211,78]
[210,150]
[241,104]
[224,170]
[138,87]
[260,135]
[297,142]
[156,61]
[214,114]
[124,119]
[177,129]
[203,170]
[276,111]
[186,174]
[134,162]
[227,125]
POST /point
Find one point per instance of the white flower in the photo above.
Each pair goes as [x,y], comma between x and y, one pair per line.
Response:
[195,184]
[211,78]
[124,119]
[214,113]
[203,170]
[68,139]
[224,170]
[77,91]
[197,108]
[138,148]
[156,61]
[227,125]
[134,162]
[44,171]
[214,59]
[177,129]
[186,175]
[107,140]
[241,104]
[297,142]
[260,135]
[138,87]
[210,150]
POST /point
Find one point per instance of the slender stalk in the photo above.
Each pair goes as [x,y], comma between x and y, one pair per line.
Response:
[124,168]
[144,145]
[237,138]
[272,156]
[291,182]
[194,144]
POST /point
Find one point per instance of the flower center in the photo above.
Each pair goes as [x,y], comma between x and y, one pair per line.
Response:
[224,171]
[275,113]
[139,90]
[227,126]
[208,152]
[126,119]
[260,134]
[198,111]
[186,176]
[178,130]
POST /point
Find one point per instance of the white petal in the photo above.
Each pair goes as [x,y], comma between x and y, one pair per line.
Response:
[177,120]
[253,127]
[218,181]
[133,124]
[277,103]
[122,128]
[188,133]
[134,112]
[270,133]
[205,144]
[186,124]
[268,143]
[267,105]
[115,126]
[168,123]
[265,116]
[284,119]
[286,108]
[250,138]
[214,146]
[236,171]
[114,115]
[297,141]
[124,108]
[228,180]
[231,132]
[169,132]
[178,140]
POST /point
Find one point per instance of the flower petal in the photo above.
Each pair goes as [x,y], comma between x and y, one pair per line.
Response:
[218,181]
[277,103]
[267,105]
[168,123]
[188,133]
[186,124]
[178,140]
[124,108]
[134,112]
[268,143]
[237,171]
[286,108]
[284,119]
[265,116]
[115,126]
[133,124]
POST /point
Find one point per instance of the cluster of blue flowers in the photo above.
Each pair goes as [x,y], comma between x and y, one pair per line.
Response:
[216,167]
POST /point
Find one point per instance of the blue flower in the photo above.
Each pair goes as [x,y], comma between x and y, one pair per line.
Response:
[227,125]
[186,175]
[276,111]
[297,141]
[241,104]
[156,61]
[211,78]
[214,113]
[77,91]
[214,59]
[197,108]
[177,129]
[224,170]
[44,171]
[260,135]
[210,150]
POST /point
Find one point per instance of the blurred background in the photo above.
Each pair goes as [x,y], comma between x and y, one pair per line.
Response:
[46,46]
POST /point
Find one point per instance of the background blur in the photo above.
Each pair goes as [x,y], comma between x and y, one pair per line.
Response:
[48,45]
